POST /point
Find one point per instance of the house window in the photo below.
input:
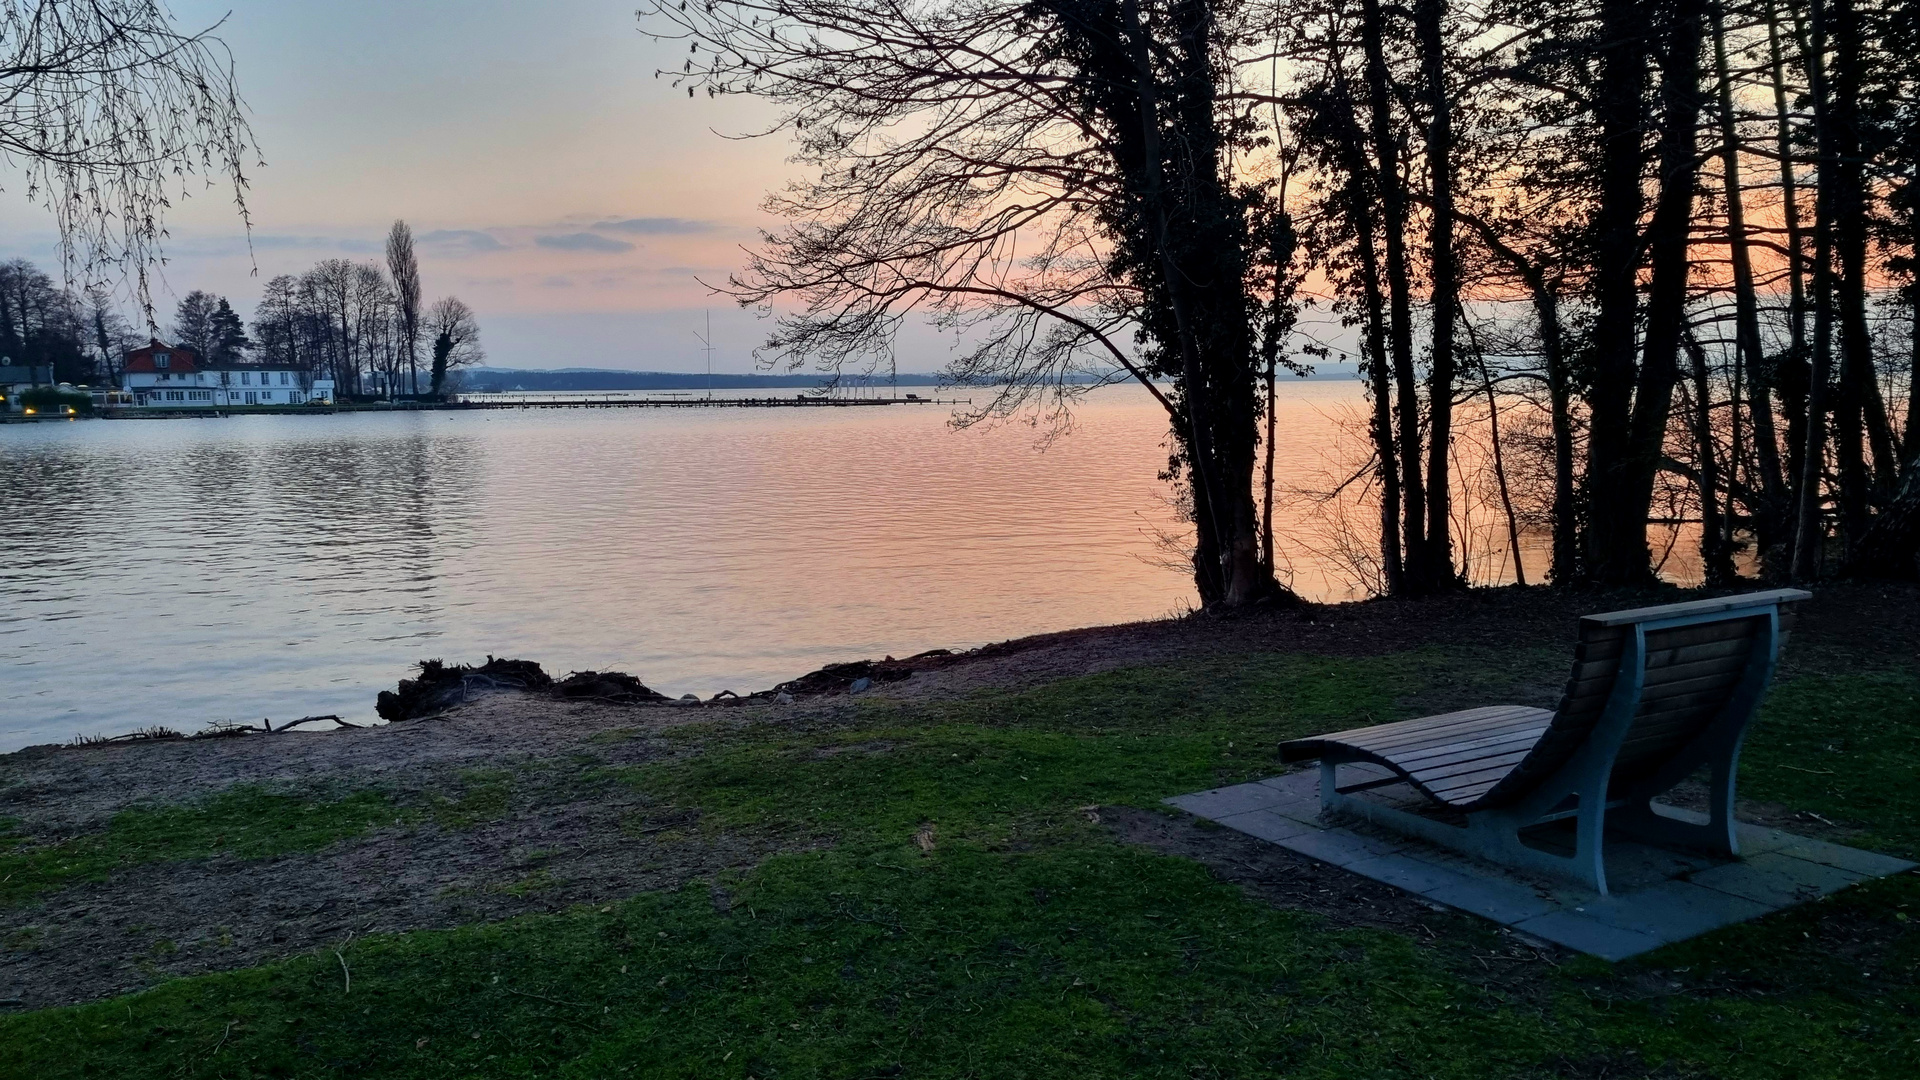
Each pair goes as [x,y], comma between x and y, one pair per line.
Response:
[161,360]
[246,378]
[175,395]
[252,398]
[164,376]
[293,397]
[283,378]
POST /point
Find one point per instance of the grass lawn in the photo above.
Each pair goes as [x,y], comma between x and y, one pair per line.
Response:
[950,906]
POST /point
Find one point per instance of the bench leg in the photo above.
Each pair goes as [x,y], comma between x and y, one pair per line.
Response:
[1718,836]
[1493,835]
[1587,866]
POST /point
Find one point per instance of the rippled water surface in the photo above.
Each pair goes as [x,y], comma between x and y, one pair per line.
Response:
[180,572]
[183,571]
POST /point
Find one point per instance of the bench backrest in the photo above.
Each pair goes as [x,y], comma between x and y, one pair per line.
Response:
[1683,666]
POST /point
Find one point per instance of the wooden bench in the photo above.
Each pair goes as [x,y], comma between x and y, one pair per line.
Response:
[1656,694]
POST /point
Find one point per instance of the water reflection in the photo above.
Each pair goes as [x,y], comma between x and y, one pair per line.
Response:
[181,572]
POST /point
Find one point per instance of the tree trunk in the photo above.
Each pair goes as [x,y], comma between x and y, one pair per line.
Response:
[1393,208]
[1499,456]
[1208,308]
[1716,556]
[1429,17]
[1620,108]
[1553,352]
[1792,374]
[1808,530]
[1669,240]
[1910,442]
[1858,403]
[1769,514]
[1360,214]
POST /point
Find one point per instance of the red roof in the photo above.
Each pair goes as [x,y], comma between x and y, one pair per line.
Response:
[179,358]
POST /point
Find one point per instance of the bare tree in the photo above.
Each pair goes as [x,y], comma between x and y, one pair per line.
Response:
[112,113]
[1057,178]
[404,269]
[110,334]
[369,325]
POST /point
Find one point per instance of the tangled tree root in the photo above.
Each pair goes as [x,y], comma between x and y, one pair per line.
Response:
[442,686]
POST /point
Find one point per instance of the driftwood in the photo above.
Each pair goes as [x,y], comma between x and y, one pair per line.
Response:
[216,730]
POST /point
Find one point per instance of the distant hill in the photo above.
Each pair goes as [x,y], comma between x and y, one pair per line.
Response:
[488,380]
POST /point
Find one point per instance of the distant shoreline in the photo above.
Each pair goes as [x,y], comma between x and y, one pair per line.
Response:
[535,381]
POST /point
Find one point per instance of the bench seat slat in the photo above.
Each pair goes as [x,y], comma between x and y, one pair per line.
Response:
[1445,776]
[1411,741]
[1447,753]
[1466,717]
[1411,736]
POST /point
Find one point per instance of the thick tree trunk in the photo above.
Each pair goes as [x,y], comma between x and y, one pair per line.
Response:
[1858,403]
[1393,227]
[1202,262]
[1438,571]
[1669,240]
[1621,111]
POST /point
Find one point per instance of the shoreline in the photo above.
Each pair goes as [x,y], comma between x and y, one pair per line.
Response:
[148,861]
[1355,627]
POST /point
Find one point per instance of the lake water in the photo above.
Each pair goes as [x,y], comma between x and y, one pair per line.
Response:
[180,572]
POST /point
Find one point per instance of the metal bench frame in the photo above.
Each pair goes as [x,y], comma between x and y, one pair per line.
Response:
[1579,788]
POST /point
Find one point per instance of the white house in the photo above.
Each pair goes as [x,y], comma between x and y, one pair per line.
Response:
[174,377]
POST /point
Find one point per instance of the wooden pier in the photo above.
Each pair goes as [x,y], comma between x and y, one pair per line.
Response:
[618,401]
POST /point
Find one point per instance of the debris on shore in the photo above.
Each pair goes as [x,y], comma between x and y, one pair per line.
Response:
[617,687]
[842,678]
[442,686]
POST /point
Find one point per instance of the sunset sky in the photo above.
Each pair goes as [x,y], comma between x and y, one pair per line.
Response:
[552,181]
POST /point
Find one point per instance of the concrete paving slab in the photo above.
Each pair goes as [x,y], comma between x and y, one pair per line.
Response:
[1633,865]
[1414,875]
[1774,879]
[1672,911]
[1853,860]
[1227,801]
[1589,936]
[1266,825]
[1755,839]
[1659,896]
[1341,847]
[1503,901]
[1304,783]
